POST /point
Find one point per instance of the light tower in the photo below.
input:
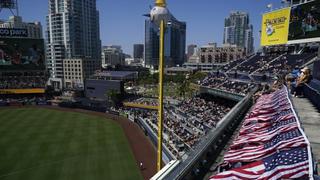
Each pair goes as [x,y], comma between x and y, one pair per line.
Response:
[160,15]
[12,5]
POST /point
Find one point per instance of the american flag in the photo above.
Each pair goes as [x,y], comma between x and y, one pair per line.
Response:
[261,118]
[258,112]
[275,95]
[272,142]
[257,150]
[287,164]
[268,102]
[263,123]
[272,106]
[263,135]
[272,116]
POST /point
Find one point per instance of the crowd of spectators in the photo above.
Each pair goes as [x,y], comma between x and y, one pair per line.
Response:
[21,101]
[236,87]
[208,112]
[220,81]
[232,64]
[214,80]
[145,101]
[22,80]
[185,123]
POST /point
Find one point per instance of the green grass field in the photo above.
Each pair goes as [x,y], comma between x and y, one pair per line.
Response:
[42,144]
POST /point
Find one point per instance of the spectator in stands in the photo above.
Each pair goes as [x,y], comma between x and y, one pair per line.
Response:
[291,78]
[278,83]
[296,72]
[303,79]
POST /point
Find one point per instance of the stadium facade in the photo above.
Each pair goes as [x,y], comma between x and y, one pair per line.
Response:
[72,32]
[218,55]
[238,31]
[175,43]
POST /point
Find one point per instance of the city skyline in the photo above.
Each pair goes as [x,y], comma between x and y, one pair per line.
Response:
[115,22]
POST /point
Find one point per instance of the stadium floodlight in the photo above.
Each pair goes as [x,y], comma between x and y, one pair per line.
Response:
[160,15]
[12,5]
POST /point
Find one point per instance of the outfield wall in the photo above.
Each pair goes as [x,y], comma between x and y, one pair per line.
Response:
[167,156]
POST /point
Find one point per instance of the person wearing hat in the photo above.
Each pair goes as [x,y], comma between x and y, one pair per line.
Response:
[303,79]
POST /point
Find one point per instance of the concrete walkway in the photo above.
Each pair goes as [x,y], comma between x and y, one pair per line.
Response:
[310,120]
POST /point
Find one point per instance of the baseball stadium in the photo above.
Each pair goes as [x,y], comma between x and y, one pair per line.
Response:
[253,116]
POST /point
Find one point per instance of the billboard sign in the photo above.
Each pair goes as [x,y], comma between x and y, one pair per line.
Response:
[9,32]
[293,25]
[305,23]
[22,91]
[21,53]
[275,27]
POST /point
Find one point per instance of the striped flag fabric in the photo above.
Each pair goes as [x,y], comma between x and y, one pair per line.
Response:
[270,143]
[261,149]
[263,136]
[288,164]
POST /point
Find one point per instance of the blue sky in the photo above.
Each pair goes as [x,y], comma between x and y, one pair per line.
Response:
[122,23]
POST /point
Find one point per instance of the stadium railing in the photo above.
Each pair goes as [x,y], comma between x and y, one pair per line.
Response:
[221,93]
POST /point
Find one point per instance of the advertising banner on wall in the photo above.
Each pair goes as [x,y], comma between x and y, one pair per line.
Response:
[275,27]
[305,23]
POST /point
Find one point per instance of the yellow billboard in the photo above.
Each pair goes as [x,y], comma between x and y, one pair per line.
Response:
[275,27]
[22,91]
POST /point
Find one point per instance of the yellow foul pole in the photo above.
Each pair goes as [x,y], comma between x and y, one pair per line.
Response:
[160,110]
[161,3]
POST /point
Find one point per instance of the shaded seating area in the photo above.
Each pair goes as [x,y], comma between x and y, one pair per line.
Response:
[312,92]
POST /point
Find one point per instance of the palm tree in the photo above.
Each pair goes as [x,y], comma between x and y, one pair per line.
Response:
[113,97]
[184,88]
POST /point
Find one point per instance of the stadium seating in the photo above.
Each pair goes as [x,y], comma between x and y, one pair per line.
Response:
[22,80]
[312,92]
[286,62]
[186,123]
[232,64]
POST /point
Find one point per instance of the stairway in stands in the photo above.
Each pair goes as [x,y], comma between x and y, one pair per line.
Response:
[310,120]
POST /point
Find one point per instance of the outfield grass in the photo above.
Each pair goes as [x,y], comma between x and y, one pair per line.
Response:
[43,144]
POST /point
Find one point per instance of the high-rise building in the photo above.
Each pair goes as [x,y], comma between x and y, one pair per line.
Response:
[33,30]
[175,43]
[72,33]
[138,50]
[219,55]
[190,50]
[112,56]
[249,40]
[238,31]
